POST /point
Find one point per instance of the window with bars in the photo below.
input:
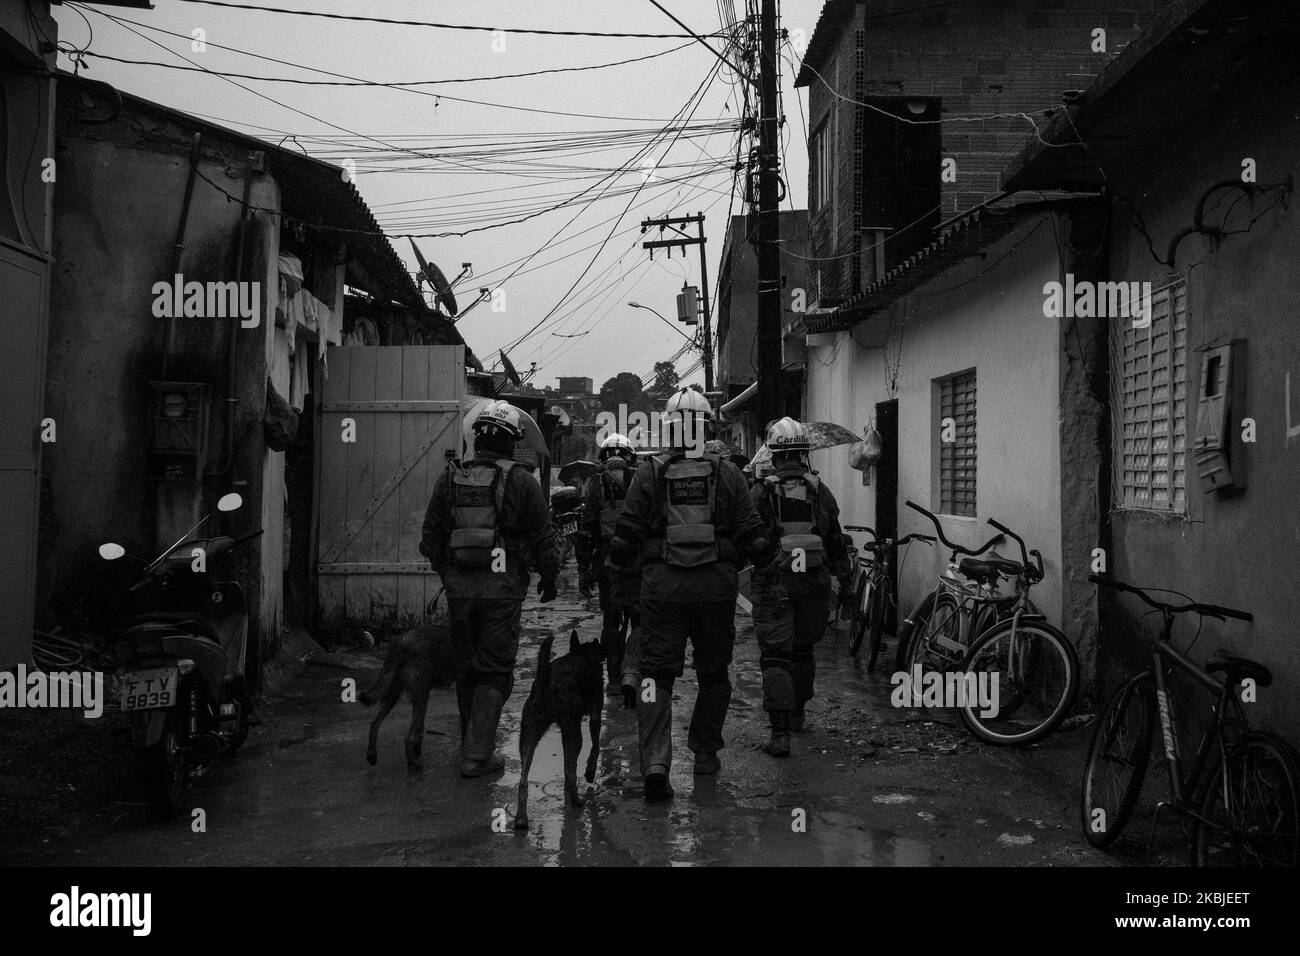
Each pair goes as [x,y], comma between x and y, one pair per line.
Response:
[821,156]
[1149,405]
[956,434]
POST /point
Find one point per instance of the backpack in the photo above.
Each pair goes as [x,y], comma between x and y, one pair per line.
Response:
[613,491]
[795,509]
[686,494]
[478,491]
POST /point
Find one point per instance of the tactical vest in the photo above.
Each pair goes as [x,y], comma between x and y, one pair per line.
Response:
[687,492]
[794,503]
[613,492]
[478,491]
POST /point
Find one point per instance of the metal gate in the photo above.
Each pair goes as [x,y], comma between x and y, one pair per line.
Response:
[402,404]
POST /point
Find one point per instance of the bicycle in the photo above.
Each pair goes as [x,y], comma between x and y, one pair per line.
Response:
[938,631]
[1248,811]
[874,590]
[1032,668]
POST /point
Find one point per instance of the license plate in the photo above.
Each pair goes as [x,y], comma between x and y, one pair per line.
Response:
[569,527]
[149,690]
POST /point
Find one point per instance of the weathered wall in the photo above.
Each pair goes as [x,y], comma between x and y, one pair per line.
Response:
[994,324]
[117,207]
[1235,551]
[26,141]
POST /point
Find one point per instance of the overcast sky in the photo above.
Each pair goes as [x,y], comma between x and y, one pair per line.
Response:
[458,190]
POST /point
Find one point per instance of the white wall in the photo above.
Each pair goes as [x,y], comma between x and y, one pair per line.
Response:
[994,324]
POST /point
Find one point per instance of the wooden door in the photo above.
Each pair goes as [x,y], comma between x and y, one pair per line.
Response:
[404,406]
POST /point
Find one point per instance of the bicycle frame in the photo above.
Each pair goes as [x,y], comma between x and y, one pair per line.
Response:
[1183,789]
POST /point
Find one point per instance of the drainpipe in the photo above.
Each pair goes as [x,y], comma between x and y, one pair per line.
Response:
[231,401]
[178,249]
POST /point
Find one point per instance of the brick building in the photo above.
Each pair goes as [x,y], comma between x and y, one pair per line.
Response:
[889,94]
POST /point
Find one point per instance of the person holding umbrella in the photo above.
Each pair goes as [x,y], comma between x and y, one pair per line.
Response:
[486,516]
[791,593]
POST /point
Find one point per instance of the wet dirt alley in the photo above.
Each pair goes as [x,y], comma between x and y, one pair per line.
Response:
[878,786]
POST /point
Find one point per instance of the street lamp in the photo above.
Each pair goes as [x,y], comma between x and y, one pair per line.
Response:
[638,305]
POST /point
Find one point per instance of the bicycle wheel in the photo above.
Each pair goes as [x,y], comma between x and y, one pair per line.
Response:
[876,614]
[1027,674]
[918,620]
[1117,761]
[861,613]
[1252,819]
[944,623]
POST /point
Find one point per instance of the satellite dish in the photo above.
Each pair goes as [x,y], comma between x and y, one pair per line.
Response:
[510,370]
[438,281]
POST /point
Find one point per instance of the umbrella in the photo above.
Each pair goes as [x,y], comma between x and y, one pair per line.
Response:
[533,443]
[577,472]
[820,435]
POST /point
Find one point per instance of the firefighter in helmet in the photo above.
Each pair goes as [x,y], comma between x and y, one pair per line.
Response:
[486,518]
[689,516]
[792,593]
[620,588]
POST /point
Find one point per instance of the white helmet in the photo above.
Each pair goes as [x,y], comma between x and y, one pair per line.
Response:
[500,416]
[688,400]
[786,434]
[616,444]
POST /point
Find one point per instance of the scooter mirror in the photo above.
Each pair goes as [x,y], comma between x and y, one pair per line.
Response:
[110,551]
[230,502]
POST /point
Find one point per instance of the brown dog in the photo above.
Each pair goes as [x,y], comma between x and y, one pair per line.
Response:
[563,693]
[417,661]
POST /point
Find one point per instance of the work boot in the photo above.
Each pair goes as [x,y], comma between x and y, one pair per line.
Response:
[707,764]
[778,745]
[798,722]
[481,755]
[654,725]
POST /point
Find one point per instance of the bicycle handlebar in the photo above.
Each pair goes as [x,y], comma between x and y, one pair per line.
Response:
[956,548]
[1024,554]
[1212,610]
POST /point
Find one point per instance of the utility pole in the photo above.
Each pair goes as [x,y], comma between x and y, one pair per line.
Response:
[768,232]
[674,223]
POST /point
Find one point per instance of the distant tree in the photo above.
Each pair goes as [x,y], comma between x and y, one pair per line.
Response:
[665,378]
[625,389]
[697,386]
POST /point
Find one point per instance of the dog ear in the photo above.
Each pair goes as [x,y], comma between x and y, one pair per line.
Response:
[573,642]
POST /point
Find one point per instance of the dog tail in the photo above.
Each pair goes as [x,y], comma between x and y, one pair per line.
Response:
[544,662]
[384,685]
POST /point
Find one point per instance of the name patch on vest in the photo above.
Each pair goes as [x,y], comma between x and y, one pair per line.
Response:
[688,491]
[472,496]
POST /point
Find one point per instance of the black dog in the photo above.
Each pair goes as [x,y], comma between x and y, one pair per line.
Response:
[417,660]
[563,693]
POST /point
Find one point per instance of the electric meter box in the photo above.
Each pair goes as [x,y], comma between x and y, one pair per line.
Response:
[1217,448]
[179,413]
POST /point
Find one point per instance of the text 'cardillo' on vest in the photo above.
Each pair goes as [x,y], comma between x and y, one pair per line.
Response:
[794,502]
[478,491]
[688,490]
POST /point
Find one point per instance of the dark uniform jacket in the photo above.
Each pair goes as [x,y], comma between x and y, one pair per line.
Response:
[526,532]
[736,528]
[594,494]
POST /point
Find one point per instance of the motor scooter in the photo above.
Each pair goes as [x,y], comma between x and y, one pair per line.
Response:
[182,662]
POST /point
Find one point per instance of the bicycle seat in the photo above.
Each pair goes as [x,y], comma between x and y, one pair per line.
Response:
[1239,668]
[987,569]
